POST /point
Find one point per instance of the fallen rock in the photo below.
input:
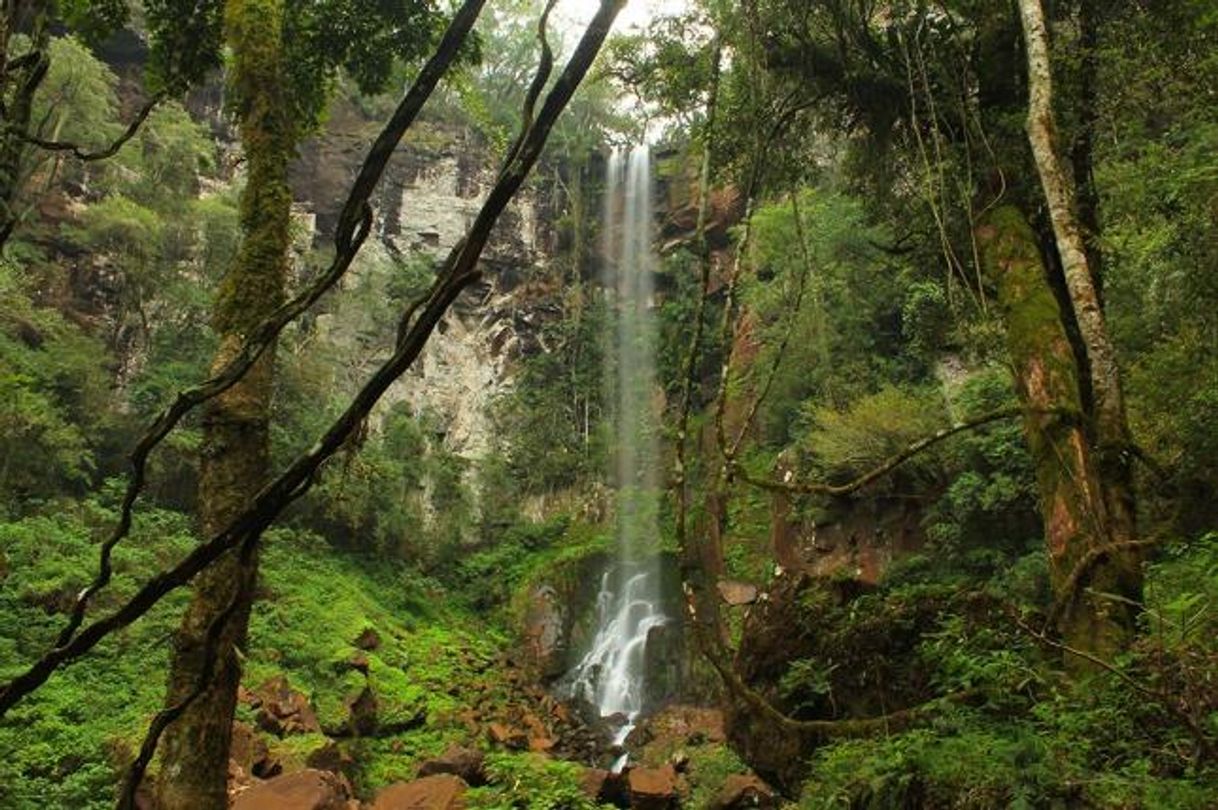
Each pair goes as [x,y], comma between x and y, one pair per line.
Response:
[653,788]
[504,735]
[441,791]
[303,790]
[362,713]
[249,752]
[742,791]
[369,639]
[283,710]
[467,763]
[541,744]
[605,787]
[737,593]
[330,757]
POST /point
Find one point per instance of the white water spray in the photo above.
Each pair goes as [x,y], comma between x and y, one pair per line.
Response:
[612,673]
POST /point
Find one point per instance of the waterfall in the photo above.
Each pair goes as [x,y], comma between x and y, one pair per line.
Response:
[612,673]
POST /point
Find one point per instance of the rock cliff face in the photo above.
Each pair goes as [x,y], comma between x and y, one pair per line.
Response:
[431,193]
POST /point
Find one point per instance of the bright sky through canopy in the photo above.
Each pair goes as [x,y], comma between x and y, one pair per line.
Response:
[573,15]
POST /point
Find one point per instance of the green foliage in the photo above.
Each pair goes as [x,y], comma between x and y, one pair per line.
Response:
[844,341]
[63,746]
[551,423]
[1030,737]
[490,577]
[530,781]
[990,498]
[875,428]
[54,397]
[76,102]
[66,745]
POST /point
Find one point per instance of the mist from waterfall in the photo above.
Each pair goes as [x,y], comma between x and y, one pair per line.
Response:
[612,673]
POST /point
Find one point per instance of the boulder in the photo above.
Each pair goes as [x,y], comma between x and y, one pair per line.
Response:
[303,790]
[330,757]
[362,713]
[742,791]
[441,791]
[735,593]
[283,711]
[605,787]
[545,632]
[467,763]
[501,734]
[368,640]
[249,752]
[653,788]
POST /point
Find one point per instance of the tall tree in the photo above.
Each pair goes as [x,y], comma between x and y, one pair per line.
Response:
[1106,623]
[283,56]
[236,445]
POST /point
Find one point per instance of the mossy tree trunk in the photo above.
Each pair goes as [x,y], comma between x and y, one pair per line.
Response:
[236,443]
[1087,568]
[1107,424]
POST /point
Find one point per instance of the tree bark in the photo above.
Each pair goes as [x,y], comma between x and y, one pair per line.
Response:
[236,444]
[1109,425]
[1109,428]
[1078,527]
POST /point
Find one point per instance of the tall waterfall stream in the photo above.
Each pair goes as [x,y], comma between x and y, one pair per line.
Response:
[611,674]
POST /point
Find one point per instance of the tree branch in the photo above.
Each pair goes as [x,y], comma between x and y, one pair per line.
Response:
[817,488]
[355,223]
[458,272]
[79,152]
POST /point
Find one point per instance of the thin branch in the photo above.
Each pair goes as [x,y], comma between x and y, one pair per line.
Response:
[81,153]
[819,488]
[355,223]
[458,272]
[544,67]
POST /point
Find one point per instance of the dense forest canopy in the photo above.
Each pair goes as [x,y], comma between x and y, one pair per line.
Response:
[360,362]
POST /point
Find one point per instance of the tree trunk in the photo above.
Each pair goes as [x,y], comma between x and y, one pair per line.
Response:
[235,451]
[1084,566]
[1108,423]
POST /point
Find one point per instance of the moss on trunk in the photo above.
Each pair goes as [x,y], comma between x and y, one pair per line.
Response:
[236,450]
[1071,486]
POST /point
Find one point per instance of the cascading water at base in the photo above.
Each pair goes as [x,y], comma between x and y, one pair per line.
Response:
[611,675]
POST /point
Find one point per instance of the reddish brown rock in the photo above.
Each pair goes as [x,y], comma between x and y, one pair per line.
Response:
[541,744]
[330,757]
[303,790]
[737,593]
[605,787]
[369,639]
[283,710]
[505,735]
[362,711]
[742,791]
[653,788]
[438,792]
[246,747]
[467,763]
[691,725]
